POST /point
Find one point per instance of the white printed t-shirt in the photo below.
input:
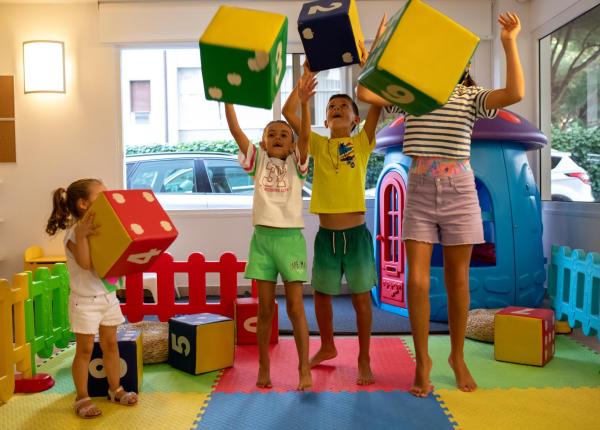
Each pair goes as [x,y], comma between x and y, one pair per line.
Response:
[277,187]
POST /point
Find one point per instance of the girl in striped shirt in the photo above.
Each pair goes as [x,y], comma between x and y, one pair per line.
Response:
[442,204]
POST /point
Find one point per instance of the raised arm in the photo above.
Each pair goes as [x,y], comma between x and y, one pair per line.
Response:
[290,108]
[305,89]
[362,93]
[514,90]
[371,121]
[240,137]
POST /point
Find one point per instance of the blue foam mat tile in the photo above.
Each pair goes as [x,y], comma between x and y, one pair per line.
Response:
[342,410]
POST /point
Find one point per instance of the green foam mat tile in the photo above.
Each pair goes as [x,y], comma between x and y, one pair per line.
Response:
[573,366]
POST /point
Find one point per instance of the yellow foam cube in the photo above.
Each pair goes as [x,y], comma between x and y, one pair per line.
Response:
[419,58]
[524,335]
[243,53]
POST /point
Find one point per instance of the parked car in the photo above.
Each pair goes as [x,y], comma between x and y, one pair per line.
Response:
[569,181]
[194,180]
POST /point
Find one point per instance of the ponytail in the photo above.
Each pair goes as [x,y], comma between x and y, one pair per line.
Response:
[60,212]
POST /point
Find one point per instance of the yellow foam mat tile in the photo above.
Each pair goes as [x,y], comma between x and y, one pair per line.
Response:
[155,411]
[523,408]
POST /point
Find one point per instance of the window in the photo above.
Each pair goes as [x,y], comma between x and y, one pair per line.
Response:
[169,82]
[227,176]
[569,93]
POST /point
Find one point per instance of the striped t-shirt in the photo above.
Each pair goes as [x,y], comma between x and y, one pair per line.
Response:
[446,131]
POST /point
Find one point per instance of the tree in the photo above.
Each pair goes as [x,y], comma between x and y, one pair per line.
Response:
[575,47]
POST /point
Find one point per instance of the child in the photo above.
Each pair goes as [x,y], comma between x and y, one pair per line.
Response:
[92,308]
[343,244]
[442,204]
[277,245]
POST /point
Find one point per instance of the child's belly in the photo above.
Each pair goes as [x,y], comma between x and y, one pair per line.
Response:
[341,221]
[439,167]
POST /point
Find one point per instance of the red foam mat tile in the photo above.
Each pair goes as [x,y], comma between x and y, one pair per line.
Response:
[392,366]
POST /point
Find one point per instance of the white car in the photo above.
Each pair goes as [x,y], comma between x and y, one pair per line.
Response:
[569,181]
[194,180]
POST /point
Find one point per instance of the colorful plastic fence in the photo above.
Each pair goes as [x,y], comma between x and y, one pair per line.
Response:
[574,287]
[196,267]
[46,310]
[14,349]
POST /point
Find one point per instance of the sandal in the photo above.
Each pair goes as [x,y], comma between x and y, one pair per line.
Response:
[130,398]
[85,408]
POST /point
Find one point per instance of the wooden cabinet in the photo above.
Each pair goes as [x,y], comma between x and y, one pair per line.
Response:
[8,152]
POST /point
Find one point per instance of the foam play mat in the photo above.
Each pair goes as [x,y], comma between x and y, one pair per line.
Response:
[563,394]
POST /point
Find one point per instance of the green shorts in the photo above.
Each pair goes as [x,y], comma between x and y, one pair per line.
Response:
[274,251]
[344,252]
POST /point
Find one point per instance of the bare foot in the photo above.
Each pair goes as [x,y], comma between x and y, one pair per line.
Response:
[422,385]
[305,381]
[325,353]
[264,377]
[464,380]
[365,376]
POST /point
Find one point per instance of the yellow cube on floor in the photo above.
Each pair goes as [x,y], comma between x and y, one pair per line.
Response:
[201,343]
[524,335]
[419,58]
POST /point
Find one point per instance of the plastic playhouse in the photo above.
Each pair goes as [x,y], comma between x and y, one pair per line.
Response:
[508,269]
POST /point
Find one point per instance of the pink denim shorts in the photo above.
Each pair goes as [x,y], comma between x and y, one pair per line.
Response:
[443,210]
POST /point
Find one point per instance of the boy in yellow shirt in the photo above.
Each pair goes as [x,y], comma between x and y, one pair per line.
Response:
[343,244]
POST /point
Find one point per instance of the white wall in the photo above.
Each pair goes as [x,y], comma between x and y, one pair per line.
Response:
[60,137]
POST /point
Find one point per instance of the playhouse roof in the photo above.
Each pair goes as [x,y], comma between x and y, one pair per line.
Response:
[507,126]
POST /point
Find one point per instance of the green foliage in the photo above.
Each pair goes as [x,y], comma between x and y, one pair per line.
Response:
[228,146]
[584,146]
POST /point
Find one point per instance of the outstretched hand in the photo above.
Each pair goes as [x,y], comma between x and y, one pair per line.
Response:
[511,25]
[307,86]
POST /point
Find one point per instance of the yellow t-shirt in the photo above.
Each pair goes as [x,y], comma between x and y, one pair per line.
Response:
[340,172]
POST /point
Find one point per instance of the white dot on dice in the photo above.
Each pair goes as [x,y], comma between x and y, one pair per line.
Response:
[259,62]
[119,198]
[307,33]
[215,92]
[148,196]
[234,79]
[166,225]
[347,57]
[137,229]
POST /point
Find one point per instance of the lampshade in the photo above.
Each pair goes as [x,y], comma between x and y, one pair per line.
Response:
[44,66]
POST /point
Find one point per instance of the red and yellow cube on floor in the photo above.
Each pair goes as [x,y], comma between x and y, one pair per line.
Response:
[524,335]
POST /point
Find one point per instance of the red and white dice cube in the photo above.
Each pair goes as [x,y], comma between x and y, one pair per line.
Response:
[133,231]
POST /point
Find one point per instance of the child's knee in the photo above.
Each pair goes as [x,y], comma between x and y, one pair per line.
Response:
[295,309]
[266,310]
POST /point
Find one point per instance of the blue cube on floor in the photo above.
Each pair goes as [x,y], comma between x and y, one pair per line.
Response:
[330,33]
[201,343]
[130,353]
